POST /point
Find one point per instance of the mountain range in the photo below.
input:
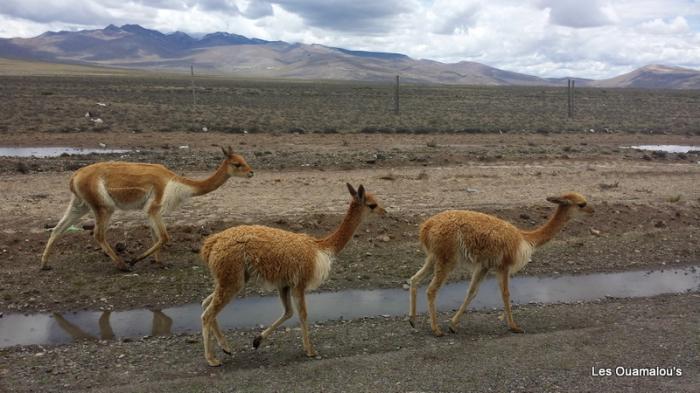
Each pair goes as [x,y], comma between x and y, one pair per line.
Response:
[132,46]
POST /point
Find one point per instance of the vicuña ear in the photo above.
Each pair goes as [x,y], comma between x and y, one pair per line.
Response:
[230,151]
[352,190]
[361,193]
[223,150]
[559,201]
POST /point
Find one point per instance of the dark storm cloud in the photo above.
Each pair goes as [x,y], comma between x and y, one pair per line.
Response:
[359,15]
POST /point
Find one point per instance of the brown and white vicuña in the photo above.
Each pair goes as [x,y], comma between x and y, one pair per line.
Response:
[484,243]
[105,187]
[291,262]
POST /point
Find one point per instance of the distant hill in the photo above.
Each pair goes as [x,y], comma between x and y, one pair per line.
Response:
[132,46]
[655,77]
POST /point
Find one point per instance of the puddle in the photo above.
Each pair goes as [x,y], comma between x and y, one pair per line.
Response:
[250,312]
[667,148]
[52,151]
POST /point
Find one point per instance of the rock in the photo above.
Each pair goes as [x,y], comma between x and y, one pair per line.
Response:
[472,190]
[120,247]
[22,167]
[594,232]
[384,238]
[660,224]
[524,216]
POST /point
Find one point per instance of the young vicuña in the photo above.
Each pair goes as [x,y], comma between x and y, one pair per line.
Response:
[105,187]
[485,243]
[291,262]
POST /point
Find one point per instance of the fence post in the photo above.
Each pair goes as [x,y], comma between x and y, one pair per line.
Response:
[396,96]
[568,98]
[573,98]
[194,99]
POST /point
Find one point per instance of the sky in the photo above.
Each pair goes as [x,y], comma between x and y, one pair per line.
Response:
[549,38]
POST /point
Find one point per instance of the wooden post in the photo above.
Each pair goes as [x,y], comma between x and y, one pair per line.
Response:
[568,98]
[396,96]
[194,98]
[573,99]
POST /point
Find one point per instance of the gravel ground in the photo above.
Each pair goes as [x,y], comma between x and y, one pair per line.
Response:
[646,217]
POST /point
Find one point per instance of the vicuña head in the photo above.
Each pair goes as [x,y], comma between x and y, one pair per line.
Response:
[484,243]
[291,262]
[104,187]
[235,164]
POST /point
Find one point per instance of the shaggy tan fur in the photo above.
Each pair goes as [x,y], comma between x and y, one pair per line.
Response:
[291,262]
[484,243]
[107,186]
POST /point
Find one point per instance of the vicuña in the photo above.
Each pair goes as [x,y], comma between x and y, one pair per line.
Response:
[484,243]
[291,262]
[104,187]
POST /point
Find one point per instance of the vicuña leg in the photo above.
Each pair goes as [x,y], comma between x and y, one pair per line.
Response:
[216,330]
[156,254]
[220,298]
[75,211]
[301,310]
[442,269]
[162,234]
[415,280]
[102,216]
[503,278]
[477,277]
[285,297]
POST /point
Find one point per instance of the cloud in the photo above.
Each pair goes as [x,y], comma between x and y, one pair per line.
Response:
[358,16]
[258,9]
[596,39]
[576,13]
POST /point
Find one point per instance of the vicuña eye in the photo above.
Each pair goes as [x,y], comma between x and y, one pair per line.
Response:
[237,165]
[372,205]
[582,204]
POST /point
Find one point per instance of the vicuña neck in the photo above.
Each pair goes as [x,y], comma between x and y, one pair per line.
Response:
[211,183]
[336,241]
[546,232]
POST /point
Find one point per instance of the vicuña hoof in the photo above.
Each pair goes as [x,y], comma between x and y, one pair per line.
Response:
[453,329]
[438,333]
[45,268]
[516,329]
[257,341]
[412,322]
[227,351]
[124,268]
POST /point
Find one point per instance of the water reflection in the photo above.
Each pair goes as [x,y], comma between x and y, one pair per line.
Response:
[161,325]
[52,151]
[250,312]
[667,148]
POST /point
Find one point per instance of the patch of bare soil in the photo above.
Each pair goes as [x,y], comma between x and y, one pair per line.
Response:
[646,218]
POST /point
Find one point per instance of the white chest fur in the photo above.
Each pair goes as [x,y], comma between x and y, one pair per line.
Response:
[174,195]
[523,256]
[322,268]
